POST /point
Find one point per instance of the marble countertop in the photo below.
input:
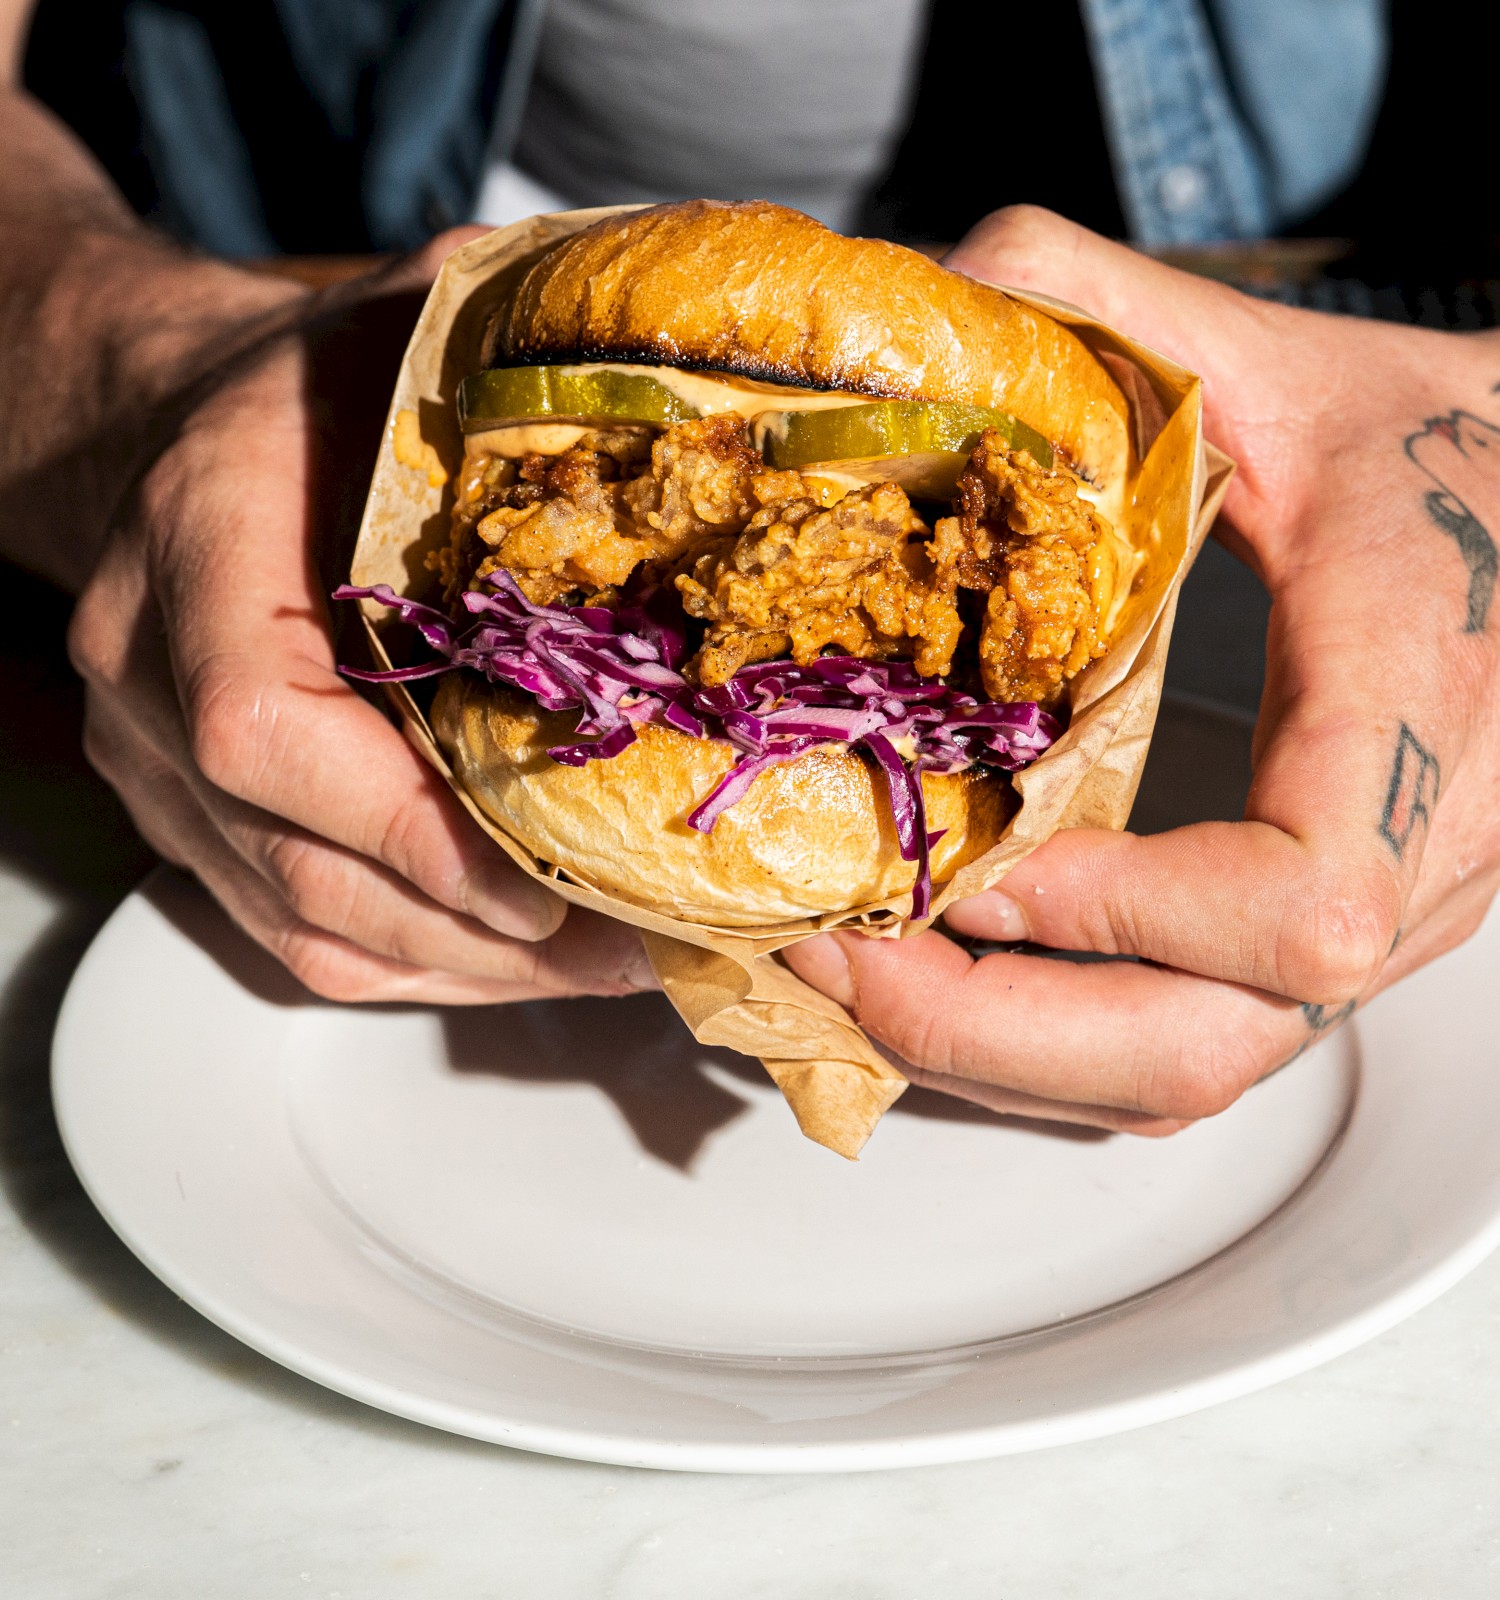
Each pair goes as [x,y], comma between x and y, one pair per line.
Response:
[144,1452]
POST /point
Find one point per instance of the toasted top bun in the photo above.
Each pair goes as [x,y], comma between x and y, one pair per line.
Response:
[770,295]
[812,835]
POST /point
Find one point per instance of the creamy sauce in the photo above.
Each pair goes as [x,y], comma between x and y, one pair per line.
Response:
[516,439]
[413,451]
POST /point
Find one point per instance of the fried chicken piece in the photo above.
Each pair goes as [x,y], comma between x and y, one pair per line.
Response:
[698,487]
[587,518]
[776,563]
[552,521]
[1025,538]
[565,529]
[804,576]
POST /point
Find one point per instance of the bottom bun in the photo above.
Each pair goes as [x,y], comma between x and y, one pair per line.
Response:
[813,835]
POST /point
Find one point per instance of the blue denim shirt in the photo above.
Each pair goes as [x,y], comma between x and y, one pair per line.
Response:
[1226,118]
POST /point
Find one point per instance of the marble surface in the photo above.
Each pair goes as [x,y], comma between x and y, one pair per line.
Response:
[143,1452]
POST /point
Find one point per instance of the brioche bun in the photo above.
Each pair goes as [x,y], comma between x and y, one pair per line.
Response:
[766,296]
[813,835]
[770,295]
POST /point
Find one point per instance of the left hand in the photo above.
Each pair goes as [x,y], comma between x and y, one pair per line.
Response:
[216,710]
[1368,502]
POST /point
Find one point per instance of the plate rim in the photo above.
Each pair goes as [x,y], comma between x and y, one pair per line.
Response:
[1159,1401]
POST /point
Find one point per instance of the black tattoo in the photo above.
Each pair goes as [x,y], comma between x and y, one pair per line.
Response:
[1320,1019]
[1455,449]
[1412,795]
[1477,549]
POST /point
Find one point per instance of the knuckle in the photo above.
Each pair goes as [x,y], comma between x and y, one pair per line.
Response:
[532,968]
[915,1033]
[160,497]
[1461,924]
[1464,929]
[402,846]
[1013,243]
[436,251]
[1195,1096]
[1086,901]
[311,880]
[338,896]
[1332,946]
[1019,227]
[1203,1079]
[92,639]
[419,267]
[225,712]
[321,965]
[1112,926]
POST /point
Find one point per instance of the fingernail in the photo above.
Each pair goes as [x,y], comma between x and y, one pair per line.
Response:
[640,974]
[503,898]
[1004,917]
[821,962]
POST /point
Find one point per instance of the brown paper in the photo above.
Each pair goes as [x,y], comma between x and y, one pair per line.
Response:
[727,984]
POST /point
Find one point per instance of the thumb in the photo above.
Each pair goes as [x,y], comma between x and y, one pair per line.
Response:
[1252,355]
[1202,324]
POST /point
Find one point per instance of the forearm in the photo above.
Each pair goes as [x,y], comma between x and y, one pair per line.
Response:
[103,322]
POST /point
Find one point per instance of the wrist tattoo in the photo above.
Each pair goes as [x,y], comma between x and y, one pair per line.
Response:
[1461,452]
[1412,793]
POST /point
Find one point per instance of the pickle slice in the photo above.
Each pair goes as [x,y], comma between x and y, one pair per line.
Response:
[565,394]
[920,444]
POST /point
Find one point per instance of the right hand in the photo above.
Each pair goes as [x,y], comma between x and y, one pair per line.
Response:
[215,707]
[1366,501]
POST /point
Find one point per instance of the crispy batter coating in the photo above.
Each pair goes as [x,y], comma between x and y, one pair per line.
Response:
[776,563]
[698,487]
[553,521]
[586,519]
[1026,539]
[803,576]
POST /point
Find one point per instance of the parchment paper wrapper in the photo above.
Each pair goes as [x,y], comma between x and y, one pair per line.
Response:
[727,983]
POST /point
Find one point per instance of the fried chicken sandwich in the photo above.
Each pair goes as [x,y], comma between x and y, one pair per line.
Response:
[773,554]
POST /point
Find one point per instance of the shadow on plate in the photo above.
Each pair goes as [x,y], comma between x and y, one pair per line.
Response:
[673,1092]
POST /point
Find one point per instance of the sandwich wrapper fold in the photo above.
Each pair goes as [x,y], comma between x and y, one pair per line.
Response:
[727,984]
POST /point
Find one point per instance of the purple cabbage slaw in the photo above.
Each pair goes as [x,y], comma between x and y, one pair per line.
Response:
[621,669]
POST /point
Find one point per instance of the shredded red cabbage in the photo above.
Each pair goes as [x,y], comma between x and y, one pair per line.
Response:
[621,669]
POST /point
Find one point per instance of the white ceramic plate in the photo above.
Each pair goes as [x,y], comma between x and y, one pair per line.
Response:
[569,1228]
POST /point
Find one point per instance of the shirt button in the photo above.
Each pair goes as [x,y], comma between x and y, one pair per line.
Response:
[1182,188]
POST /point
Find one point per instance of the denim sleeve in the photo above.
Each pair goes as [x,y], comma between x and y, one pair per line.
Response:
[1228,119]
[344,125]
[317,125]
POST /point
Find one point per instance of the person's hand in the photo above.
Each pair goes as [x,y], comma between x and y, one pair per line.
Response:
[1368,501]
[215,709]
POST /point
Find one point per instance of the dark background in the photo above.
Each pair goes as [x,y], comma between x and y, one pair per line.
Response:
[991,124]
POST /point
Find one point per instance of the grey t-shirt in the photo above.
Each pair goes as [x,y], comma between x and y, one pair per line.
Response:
[800,101]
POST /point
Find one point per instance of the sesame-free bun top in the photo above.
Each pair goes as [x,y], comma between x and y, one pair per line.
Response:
[772,296]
